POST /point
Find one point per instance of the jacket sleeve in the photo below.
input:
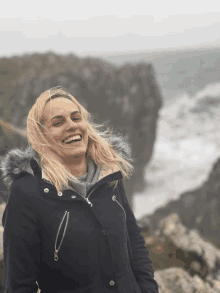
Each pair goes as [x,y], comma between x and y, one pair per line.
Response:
[142,265]
[21,244]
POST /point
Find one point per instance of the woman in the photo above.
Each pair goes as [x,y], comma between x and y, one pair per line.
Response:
[68,226]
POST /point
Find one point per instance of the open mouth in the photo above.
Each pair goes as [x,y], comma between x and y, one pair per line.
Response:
[73,139]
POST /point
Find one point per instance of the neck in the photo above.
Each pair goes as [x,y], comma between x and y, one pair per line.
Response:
[77,166]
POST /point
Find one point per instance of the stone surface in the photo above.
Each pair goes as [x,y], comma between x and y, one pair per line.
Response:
[198,209]
[176,280]
[199,254]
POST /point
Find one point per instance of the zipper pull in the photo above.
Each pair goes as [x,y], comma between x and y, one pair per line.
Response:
[55,256]
[89,202]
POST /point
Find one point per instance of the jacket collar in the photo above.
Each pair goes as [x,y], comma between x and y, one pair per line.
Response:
[17,162]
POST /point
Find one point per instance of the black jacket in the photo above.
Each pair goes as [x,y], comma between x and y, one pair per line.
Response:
[98,244]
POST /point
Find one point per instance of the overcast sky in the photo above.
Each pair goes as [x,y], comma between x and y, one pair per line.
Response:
[95,26]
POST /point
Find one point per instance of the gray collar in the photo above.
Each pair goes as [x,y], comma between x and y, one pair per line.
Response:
[87,180]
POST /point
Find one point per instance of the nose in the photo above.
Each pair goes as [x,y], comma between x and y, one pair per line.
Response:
[70,123]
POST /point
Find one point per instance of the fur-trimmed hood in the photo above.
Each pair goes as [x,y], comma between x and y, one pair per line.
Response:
[18,161]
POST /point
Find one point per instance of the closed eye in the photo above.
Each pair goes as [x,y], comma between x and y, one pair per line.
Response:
[58,123]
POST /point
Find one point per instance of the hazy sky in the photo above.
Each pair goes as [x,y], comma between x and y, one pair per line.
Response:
[106,26]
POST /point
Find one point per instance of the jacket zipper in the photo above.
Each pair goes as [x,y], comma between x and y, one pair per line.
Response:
[67,214]
[56,250]
[115,199]
[130,251]
[87,198]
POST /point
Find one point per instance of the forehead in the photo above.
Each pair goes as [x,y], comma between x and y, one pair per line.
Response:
[59,106]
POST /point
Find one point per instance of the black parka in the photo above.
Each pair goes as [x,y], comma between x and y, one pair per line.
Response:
[69,244]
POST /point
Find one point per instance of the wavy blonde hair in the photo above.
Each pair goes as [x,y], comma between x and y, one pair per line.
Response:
[99,149]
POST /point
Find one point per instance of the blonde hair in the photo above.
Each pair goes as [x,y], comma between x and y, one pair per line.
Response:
[99,149]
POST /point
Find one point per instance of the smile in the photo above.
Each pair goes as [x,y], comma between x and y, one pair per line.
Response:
[73,138]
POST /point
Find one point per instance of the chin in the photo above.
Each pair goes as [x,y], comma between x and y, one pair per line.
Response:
[76,154]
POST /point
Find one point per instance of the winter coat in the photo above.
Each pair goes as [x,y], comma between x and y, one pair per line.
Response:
[63,242]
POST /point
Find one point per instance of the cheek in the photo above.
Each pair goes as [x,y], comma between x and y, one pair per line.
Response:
[84,129]
[86,137]
[55,134]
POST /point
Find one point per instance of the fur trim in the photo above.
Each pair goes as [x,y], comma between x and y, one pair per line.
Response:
[17,161]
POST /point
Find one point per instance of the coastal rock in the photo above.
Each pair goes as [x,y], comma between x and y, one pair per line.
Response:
[190,242]
[197,209]
[128,97]
[175,280]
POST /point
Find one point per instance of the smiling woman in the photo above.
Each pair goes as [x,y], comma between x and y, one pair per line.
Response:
[68,226]
[65,125]
[55,116]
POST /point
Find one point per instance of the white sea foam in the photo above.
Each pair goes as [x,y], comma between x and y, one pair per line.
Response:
[187,145]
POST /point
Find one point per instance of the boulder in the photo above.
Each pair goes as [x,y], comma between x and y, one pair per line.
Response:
[200,256]
[176,280]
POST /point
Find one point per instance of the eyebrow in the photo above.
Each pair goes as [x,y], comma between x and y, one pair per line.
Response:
[61,116]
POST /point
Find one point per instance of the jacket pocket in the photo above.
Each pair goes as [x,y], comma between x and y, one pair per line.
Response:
[66,214]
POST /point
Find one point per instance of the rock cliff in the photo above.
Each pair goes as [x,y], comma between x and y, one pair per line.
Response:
[128,97]
[198,209]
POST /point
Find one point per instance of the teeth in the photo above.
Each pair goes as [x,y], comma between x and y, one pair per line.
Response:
[72,138]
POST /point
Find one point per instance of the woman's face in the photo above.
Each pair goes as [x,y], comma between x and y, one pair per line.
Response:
[63,120]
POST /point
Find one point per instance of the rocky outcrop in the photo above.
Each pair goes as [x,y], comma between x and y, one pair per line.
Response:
[174,245]
[175,280]
[198,209]
[200,256]
[128,97]
[10,137]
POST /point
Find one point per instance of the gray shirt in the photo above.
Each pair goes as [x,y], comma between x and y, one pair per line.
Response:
[87,180]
